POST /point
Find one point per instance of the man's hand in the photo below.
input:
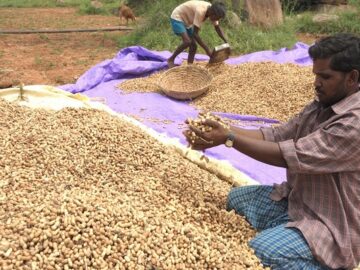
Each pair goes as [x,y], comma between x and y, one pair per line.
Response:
[207,139]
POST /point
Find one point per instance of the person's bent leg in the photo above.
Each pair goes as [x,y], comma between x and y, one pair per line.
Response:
[192,51]
[180,30]
[193,45]
[186,42]
[282,248]
[255,204]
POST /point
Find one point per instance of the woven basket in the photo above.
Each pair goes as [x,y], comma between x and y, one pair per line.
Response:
[185,82]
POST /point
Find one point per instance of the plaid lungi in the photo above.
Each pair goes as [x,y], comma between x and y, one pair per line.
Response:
[275,245]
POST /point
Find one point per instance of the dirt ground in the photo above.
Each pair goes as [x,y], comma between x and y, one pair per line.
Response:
[55,59]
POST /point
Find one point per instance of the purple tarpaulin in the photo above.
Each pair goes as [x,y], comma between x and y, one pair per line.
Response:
[153,109]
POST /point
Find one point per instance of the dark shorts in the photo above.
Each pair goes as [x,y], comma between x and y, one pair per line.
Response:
[179,27]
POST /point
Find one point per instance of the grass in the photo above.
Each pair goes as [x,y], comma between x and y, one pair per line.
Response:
[156,32]
[44,37]
[245,39]
[108,8]
[57,51]
[43,63]
[348,21]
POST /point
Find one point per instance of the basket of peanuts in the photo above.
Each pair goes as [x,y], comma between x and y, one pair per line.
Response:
[185,82]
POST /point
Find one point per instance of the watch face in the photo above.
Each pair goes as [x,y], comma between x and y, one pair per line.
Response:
[229,143]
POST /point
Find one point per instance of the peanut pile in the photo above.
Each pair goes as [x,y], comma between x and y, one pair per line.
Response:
[81,189]
[199,123]
[144,84]
[265,89]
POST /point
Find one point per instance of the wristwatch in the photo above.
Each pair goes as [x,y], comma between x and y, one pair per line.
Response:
[230,140]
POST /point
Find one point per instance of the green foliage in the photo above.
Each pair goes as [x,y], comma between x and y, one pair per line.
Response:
[295,6]
[109,7]
[87,8]
[136,3]
[157,33]
[355,3]
[243,40]
[348,22]
[249,38]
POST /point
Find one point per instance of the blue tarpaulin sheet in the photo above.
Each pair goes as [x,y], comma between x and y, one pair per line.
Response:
[153,108]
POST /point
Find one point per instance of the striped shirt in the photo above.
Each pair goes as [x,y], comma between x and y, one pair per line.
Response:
[322,149]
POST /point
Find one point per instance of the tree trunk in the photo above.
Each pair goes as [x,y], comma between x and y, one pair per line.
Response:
[267,13]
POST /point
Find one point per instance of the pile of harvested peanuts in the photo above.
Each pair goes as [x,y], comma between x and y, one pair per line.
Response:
[81,189]
[264,89]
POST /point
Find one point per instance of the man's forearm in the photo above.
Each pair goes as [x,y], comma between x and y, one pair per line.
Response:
[250,133]
[261,150]
[220,33]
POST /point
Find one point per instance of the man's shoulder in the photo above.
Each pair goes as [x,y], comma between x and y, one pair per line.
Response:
[350,104]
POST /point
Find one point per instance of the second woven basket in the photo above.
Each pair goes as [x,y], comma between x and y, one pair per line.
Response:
[185,82]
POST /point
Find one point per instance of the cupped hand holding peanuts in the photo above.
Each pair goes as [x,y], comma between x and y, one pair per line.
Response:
[206,133]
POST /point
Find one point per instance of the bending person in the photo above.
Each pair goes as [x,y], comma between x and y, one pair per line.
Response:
[186,21]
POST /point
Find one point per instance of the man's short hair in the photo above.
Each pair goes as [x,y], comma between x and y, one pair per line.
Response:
[219,9]
[343,50]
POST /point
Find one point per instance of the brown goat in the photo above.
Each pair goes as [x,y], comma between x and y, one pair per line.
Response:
[127,13]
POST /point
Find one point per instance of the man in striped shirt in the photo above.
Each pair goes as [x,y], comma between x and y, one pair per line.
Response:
[311,221]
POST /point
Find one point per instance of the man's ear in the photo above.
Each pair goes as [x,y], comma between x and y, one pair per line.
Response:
[353,79]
